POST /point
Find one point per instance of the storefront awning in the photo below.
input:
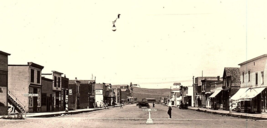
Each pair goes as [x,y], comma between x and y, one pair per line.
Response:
[237,95]
[216,93]
[251,93]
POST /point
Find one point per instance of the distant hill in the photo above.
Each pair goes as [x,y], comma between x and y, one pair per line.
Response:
[141,93]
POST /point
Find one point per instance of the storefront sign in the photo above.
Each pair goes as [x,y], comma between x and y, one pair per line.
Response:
[32,95]
[123,89]
[98,92]
[70,91]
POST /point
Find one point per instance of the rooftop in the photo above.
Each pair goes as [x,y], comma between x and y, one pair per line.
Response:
[4,53]
[253,59]
[234,72]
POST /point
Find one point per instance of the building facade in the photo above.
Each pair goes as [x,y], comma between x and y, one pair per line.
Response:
[216,97]
[74,94]
[175,95]
[231,84]
[117,92]
[253,78]
[24,83]
[125,93]
[65,92]
[99,95]
[47,103]
[4,83]
[198,90]
[206,90]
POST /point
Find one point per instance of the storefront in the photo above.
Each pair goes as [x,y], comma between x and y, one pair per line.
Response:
[251,100]
[215,99]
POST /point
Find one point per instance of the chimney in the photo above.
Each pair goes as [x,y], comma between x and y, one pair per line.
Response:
[218,78]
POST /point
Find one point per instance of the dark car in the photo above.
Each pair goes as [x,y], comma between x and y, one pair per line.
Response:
[143,104]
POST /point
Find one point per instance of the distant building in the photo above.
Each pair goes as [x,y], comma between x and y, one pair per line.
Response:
[125,93]
[57,96]
[216,99]
[85,93]
[206,90]
[175,95]
[47,103]
[24,84]
[231,84]
[197,90]
[99,95]
[4,83]
[65,92]
[74,94]
[117,92]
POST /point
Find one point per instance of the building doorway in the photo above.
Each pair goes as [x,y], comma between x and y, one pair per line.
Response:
[35,100]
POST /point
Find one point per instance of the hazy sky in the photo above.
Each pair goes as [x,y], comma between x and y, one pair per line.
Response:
[156,42]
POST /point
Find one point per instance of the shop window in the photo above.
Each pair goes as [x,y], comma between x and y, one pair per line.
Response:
[248,76]
[262,78]
[58,81]
[38,77]
[44,99]
[256,78]
[243,74]
[55,81]
[39,97]
[31,101]
[32,75]
[3,80]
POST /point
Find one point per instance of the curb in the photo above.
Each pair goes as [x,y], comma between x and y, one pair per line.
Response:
[63,113]
[228,114]
[49,114]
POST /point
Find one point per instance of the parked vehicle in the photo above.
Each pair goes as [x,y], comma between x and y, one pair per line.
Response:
[143,104]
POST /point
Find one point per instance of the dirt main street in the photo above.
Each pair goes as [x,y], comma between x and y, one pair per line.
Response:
[132,116]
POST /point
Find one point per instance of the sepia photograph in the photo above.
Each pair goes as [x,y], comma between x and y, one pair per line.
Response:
[132,64]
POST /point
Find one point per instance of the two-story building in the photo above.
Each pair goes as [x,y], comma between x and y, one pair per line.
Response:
[85,93]
[231,84]
[74,94]
[57,97]
[47,92]
[252,94]
[117,91]
[216,97]
[206,90]
[175,95]
[65,92]
[24,84]
[109,95]
[198,90]
[4,83]
[125,93]
[99,95]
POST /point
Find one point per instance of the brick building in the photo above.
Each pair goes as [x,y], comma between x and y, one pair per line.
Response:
[57,97]
[47,92]
[24,84]
[65,92]
[86,89]
[74,94]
